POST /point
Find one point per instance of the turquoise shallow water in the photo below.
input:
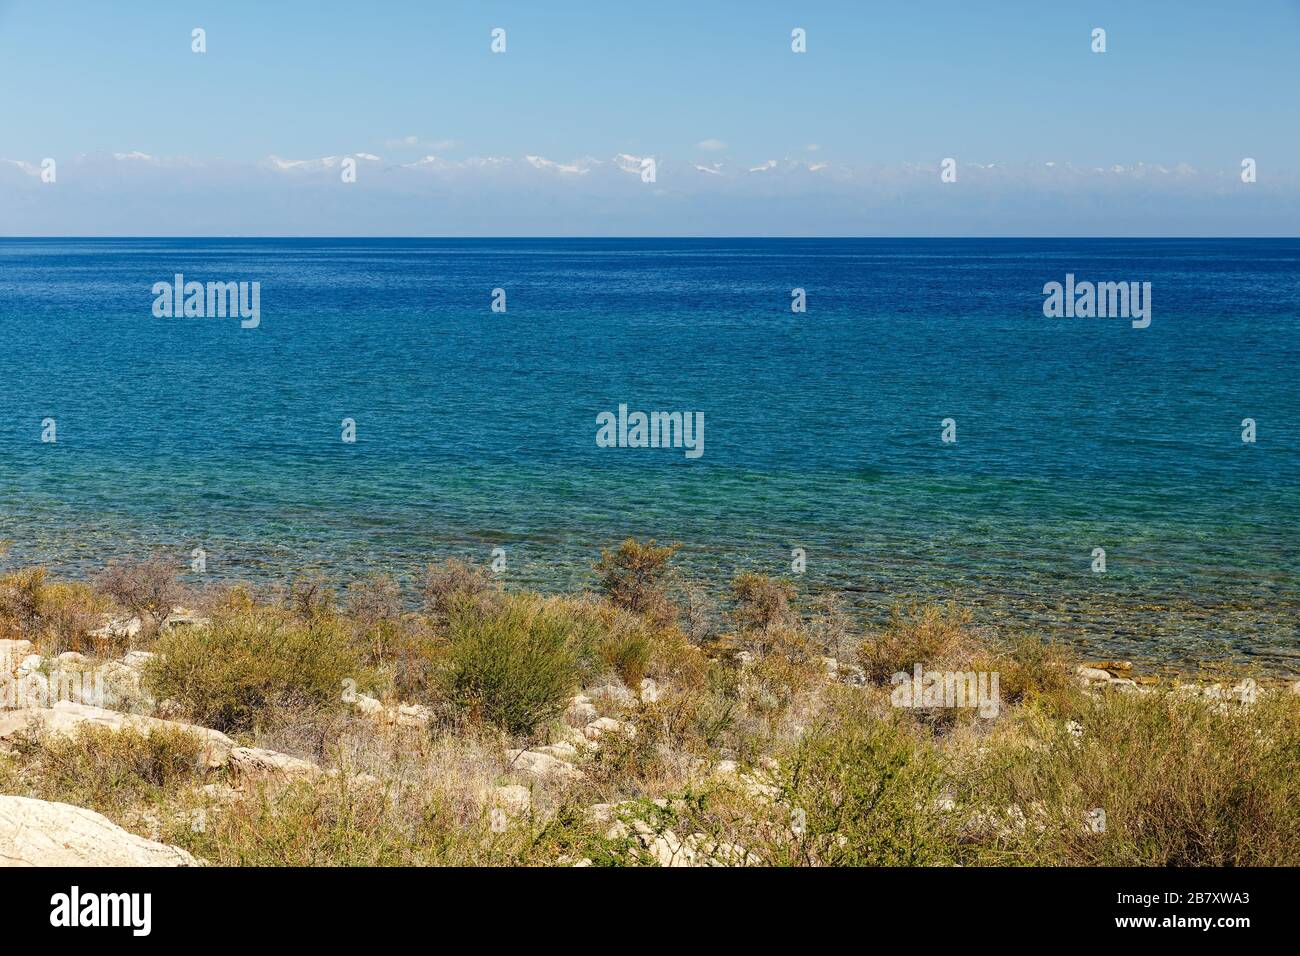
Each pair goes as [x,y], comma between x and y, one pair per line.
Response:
[822,431]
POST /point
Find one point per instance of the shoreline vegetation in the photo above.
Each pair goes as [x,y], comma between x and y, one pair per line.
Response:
[642,723]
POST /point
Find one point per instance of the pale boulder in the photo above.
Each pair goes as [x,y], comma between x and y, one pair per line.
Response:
[122,687]
[607,725]
[581,710]
[12,653]
[183,616]
[667,850]
[41,833]
[512,798]
[602,812]
[136,660]
[575,737]
[66,718]
[853,675]
[542,765]
[411,715]
[710,852]
[561,750]
[1092,674]
[118,628]
[255,763]
[402,715]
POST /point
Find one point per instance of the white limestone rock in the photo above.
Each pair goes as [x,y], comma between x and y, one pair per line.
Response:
[542,766]
[607,725]
[42,833]
[255,763]
[66,718]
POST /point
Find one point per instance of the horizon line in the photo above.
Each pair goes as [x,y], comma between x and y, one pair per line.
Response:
[625,238]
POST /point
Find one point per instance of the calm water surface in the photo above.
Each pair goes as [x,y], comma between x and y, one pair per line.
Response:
[822,430]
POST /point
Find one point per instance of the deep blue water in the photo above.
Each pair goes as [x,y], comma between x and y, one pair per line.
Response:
[477,429]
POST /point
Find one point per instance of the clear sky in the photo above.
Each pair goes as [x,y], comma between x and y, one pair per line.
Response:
[1191,86]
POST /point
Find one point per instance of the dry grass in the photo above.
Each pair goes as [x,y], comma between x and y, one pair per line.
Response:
[1183,781]
[105,770]
[55,616]
[227,675]
[825,774]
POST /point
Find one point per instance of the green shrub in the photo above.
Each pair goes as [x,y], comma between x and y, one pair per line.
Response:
[762,601]
[867,793]
[57,617]
[930,635]
[634,576]
[1032,671]
[342,824]
[516,666]
[406,655]
[21,596]
[374,599]
[108,769]
[310,597]
[68,613]
[222,600]
[457,585]
[625,649]
[225,675]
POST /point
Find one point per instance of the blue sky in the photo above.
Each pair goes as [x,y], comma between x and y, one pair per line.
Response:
[883,90]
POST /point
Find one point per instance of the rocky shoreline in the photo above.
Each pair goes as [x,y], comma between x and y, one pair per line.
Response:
[655,742]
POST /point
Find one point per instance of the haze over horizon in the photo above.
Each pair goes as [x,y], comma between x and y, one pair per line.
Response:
[551,137]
